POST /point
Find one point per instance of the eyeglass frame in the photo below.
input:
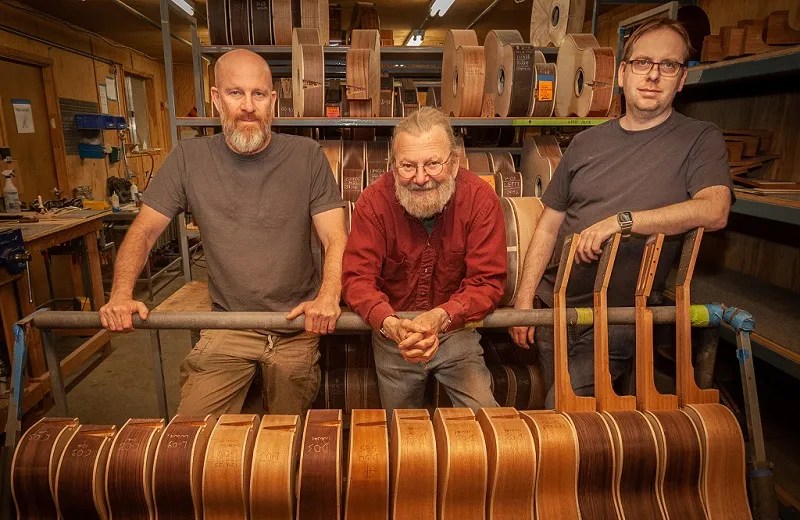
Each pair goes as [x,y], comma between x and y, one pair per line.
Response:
[654,63]
[402,174]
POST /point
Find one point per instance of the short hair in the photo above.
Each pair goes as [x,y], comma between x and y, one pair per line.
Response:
[422,121]
[657,25]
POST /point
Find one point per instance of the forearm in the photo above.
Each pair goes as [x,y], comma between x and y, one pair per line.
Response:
[681,217]
[332,270]
[130,260]
[536,260]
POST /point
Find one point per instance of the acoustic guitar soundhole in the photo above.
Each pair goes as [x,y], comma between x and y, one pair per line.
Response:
[579,82]
[555,15]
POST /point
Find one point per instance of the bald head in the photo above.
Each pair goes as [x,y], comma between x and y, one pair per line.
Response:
[235,62]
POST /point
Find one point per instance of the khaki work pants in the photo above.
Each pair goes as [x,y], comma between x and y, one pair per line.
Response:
[216,374]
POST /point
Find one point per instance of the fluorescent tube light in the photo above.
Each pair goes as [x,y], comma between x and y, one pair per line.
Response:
[440,7]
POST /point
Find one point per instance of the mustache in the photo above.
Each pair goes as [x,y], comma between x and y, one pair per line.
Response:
[430,185]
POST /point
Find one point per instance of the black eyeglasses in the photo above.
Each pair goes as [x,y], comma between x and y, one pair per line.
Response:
[667,68]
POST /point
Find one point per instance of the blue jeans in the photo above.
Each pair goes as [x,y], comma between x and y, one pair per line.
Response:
[458,365]
[580,352]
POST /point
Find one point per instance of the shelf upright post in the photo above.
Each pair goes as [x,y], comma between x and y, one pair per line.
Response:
[180,220]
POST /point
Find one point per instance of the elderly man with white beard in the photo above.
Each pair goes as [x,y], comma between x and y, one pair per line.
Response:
[255,195]
[427,236]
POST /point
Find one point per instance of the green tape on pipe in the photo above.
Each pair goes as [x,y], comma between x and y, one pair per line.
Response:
[585,316]
[699,315]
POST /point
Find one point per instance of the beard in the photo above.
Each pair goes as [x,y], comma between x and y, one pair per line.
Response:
[245,140]
[427,200]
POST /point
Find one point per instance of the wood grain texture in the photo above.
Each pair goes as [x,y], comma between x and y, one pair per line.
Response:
[723,485]
[565,397]
[363,69]
[463,68]
[226,469]
[129,473]
[521,214]
[333,153]
[413,465]
[308,73]
[556,443]
[647,396]
[261,20]
[679,443]
[722,478]
[178,467]
[217,16]
[377,153]
[512,461]
[462,466]
[354,164]
[367,495]
[551,20]
[406,98]
[272,476]
[239,22]
[365,16]
[509,75]
[597,494]
[586,77]
[33,469]
[638,473]
[283,21]
[79,490]
[314,15]
[319,488]
[540,157]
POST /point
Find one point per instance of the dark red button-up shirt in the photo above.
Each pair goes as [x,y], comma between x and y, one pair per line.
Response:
[392,264]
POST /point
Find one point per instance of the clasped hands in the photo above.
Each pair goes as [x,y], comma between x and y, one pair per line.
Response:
[417,339]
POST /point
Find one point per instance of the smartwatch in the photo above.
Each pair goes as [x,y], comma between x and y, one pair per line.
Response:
[625,221]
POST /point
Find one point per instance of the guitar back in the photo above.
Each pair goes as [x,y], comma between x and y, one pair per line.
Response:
[319,490]
[368,467]
[128,477]
[272,476]
[79,490]
[226,469]
[33,469]
[462,464]
[178,467]
[413,465]
[511,455]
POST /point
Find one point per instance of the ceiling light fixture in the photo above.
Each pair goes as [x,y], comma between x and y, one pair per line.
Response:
[440,7]
[184,6]
[415,38]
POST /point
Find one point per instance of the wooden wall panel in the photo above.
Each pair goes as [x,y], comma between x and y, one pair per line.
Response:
[76,76]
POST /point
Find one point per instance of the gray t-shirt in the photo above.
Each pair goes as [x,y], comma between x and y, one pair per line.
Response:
[254,213]
[607,169]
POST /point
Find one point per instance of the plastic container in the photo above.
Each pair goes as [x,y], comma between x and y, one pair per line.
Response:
[10,193]
[91,151]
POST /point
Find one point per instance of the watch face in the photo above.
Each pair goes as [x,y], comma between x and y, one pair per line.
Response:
[625,217]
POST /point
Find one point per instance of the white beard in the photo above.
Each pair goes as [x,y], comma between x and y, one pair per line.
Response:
[427,200]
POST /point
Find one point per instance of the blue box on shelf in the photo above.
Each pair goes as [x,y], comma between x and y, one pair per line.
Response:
[99,122]
[120,123]
[91,151]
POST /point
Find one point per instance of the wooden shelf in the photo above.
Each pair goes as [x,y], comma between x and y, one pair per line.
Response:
[776,338]
[781,208]
[781,61]
[392,121]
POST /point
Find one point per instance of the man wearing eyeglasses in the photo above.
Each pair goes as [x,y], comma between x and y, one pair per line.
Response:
[427,236]
[651,171]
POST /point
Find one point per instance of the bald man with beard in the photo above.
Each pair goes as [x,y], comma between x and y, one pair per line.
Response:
[427,236]
[255,195]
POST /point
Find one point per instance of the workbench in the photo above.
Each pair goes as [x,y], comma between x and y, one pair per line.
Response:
[38,237]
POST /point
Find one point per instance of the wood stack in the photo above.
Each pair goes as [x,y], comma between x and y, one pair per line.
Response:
[750,37]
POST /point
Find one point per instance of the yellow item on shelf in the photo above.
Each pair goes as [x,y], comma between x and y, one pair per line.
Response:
[95,204]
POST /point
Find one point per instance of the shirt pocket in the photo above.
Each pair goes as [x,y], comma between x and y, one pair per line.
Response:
[394,271]
[451,269]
